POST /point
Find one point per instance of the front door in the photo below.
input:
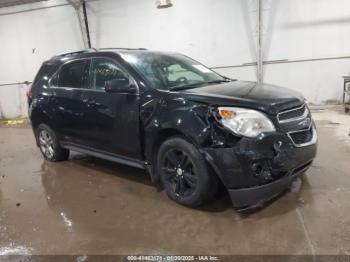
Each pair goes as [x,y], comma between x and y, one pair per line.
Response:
[110,121]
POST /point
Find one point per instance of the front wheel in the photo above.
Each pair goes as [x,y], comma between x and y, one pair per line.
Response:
[184,173]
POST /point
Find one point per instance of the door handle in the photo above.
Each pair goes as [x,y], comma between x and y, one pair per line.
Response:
[89,101]
[52,97]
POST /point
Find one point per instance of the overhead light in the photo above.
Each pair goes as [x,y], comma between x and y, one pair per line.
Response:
[163,3]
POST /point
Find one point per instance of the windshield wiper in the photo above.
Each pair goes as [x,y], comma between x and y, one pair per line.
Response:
[218,81]
[189,86]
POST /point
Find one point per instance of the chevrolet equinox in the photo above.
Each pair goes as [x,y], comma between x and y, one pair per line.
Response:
[190,128]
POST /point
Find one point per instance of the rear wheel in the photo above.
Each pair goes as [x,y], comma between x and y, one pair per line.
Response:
[184,173]
[49,145]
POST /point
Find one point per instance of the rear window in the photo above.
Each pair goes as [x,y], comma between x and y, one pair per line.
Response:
[45,70]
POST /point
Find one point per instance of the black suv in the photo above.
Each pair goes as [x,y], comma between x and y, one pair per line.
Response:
[189,127]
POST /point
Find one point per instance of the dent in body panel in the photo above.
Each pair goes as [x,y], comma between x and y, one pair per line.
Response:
[238,161]
[162,117]
[194,121]
[258,161]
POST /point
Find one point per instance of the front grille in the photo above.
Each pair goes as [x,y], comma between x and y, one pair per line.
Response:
[293,114]
[301,137]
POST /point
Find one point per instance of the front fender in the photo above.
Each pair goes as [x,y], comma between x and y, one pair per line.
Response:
[179,116]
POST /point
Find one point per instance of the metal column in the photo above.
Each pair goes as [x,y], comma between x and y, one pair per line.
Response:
[260,67]
[80,9]
[86,25]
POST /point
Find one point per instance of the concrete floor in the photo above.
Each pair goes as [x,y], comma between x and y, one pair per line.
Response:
[89,206]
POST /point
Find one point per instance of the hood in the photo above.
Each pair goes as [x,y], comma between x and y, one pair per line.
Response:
[268,98]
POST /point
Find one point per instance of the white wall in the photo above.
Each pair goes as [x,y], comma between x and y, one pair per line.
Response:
[215,32]
[220,33]
[303,29]
[209,30]
[26,40]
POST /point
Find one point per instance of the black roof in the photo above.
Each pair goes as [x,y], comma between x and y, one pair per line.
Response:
[91,50]
[85,53]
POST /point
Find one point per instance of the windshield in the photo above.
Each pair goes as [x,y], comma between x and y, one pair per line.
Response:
[172,71]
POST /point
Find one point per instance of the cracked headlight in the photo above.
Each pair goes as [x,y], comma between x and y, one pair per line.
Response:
[245,122]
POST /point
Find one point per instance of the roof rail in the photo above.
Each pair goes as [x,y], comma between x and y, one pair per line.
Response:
[77,52]
[122,48]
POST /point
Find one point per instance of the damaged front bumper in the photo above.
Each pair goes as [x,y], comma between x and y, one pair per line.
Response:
[255,170]
[254,196]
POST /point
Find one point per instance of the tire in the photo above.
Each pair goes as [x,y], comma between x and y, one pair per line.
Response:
[184,173]
[49,145]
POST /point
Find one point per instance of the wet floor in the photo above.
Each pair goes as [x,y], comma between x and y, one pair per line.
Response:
[89,206]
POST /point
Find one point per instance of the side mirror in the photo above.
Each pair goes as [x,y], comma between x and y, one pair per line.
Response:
[120,86]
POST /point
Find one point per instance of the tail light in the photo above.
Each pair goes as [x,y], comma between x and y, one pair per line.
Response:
[29,94]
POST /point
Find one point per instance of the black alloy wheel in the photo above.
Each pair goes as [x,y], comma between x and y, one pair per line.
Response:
[179,173]
[184,173]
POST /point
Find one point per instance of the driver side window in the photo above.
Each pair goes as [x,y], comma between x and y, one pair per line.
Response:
[104,70]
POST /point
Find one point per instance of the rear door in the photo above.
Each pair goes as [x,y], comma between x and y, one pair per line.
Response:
[111,120]
[66,87]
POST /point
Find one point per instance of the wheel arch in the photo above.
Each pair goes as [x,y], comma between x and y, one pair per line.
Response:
[161,136]
[37,117]
[188,120]
[166,134]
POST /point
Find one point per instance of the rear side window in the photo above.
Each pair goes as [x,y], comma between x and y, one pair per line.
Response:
[104,70]
[72,74]
[45,70]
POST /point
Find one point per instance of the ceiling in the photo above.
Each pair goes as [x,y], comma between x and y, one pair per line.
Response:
[6,3]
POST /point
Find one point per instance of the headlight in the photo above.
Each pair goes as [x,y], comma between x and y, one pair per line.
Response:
[245,122]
